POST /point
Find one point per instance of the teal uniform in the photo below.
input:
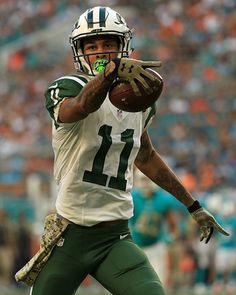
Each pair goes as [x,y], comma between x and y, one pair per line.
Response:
[148,223]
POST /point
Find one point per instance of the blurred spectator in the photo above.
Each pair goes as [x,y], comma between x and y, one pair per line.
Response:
[22,236]
[225,252]
[154,224]
[6,249]
[195,126]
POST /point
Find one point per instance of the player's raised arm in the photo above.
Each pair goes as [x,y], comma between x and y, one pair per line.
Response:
[90,98]
[95,91]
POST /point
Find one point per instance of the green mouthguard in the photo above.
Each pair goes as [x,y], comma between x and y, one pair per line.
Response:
[100,64]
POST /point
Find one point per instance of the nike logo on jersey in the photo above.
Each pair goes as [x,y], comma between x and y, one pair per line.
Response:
[123,236]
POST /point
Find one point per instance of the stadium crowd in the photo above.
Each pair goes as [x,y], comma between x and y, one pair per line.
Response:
[194,129]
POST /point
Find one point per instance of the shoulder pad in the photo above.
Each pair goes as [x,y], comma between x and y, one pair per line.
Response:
[65,86]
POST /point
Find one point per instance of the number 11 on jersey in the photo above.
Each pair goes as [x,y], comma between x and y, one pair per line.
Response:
[96,175]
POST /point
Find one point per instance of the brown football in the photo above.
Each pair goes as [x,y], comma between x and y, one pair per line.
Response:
[123,97]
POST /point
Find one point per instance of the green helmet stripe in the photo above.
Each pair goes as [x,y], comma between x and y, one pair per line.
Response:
[90,18]
[102,17]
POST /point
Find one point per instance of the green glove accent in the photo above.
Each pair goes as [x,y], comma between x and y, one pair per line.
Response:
[100,64]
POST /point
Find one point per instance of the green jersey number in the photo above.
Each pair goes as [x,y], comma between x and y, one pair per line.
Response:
[96,175]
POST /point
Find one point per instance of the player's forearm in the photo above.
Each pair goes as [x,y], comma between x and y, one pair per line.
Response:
[94,93]
[168,180]
[90,98]
[163,176]
[151,164]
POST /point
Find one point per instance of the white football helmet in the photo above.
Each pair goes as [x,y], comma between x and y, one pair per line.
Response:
[99,21]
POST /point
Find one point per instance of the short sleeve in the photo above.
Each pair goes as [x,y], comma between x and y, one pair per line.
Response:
[149,114]
[64,87]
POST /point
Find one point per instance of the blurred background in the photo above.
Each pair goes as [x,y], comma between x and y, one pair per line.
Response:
[194,129]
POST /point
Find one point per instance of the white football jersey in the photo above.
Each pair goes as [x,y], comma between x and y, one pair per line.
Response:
[94,157]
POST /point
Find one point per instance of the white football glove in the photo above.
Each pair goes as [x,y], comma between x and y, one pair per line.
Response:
[206,222]
[133,70]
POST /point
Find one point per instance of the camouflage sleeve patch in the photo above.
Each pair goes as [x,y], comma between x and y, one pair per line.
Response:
[54,226]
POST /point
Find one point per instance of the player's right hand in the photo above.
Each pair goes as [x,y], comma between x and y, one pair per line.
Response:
[133,70]
[207,224]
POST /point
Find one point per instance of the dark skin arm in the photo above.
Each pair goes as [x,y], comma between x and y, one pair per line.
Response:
[150,163]
[90,98]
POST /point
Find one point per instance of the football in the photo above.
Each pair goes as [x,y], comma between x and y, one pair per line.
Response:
[122,96]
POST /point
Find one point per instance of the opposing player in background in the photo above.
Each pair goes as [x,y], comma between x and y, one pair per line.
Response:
[154,223]
[225,257]
[96,147]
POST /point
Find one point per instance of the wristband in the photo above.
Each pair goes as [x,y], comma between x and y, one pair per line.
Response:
[195,206]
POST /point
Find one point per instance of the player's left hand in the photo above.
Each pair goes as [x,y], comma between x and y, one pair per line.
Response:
[207,224]
[133,70]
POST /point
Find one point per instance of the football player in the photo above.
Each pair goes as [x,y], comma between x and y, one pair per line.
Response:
[96,147]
